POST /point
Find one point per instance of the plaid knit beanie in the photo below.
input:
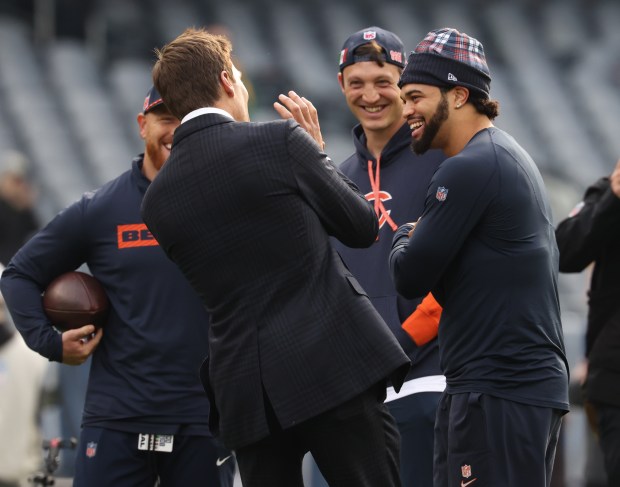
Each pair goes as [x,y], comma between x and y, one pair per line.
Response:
[447,57]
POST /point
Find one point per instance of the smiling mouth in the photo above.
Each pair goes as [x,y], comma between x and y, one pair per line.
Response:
[373,109]
[168,146]
[416,128]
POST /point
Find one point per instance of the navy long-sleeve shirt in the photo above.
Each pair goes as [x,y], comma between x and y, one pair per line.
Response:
[144,375]
[485,246]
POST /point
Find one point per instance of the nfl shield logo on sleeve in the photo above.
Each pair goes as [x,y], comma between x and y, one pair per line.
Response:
[441,194]
[466,471]
[91,449]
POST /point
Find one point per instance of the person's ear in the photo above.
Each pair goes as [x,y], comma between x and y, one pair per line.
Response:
[461,95]
[341,81]
[227,83]
[141,119]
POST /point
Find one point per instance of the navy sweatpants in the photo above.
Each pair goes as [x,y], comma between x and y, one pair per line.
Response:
[107,457]
[484,441]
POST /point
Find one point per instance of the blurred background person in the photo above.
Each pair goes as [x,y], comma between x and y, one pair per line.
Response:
[591,235]
[22,376]
[18,220]
[593,467]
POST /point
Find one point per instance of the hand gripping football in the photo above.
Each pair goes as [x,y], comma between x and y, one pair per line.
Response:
[75,299]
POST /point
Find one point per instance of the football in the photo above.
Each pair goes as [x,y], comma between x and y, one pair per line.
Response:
[75,299]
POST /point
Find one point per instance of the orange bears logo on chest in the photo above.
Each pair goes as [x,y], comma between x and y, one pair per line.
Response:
[134,235]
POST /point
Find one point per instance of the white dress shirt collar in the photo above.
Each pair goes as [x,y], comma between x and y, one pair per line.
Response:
[203,111]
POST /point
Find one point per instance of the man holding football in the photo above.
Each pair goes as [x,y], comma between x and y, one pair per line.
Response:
[145,418]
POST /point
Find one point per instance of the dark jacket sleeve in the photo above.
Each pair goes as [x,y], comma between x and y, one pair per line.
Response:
[52,251]
[343,210]
[583,233]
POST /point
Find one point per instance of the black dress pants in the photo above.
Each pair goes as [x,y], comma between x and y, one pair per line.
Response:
[355,444]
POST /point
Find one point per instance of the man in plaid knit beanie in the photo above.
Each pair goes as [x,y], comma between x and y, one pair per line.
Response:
[485,247]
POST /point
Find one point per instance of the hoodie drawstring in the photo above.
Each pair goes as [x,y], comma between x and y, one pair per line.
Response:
[380,210]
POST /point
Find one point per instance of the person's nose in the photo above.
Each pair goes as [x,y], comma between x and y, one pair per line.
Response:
[408,110]
[370,94]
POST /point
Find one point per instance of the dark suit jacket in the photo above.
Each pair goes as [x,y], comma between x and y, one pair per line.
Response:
[246,211]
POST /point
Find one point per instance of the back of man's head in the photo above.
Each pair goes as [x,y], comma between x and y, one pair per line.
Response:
[187,71]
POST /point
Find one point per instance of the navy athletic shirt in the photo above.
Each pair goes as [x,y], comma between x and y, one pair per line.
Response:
[144,375]
[485,246]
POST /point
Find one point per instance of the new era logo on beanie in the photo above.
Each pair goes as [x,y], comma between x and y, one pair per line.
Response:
[152,100]
[388,41]
[447,57]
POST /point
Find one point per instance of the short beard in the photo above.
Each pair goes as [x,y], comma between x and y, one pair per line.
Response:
[430,131]
[153,151]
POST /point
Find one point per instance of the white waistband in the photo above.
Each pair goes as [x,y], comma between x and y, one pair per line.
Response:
[431,383]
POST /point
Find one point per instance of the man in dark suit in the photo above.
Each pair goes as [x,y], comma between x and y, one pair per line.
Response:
[298,357]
